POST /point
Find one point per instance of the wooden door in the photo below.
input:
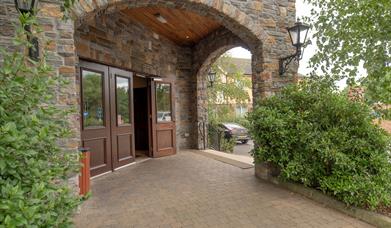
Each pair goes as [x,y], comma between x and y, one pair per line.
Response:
[122,127]
[163,118]
[107,116]
[95,112]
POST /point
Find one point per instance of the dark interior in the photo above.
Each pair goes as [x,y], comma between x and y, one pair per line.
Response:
[141,128]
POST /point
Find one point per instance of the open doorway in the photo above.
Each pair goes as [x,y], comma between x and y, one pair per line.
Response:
[141,116]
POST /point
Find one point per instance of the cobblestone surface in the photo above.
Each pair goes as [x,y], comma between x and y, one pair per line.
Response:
[189,190]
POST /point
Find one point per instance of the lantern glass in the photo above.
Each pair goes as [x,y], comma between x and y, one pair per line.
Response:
[211,76]
[303,33]
[298,34]
[25,6]
[293,33]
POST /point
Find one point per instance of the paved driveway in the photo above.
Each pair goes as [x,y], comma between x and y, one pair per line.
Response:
[189,190]
[244,149]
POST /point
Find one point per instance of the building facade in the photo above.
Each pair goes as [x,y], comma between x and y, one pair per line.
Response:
[229,69]
[137,69]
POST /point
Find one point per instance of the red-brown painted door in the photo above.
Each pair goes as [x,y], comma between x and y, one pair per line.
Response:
[107,116]
[95,111]
[121,100]
[163,118]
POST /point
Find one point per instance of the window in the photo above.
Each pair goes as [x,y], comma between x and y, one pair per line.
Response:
[241,110]
[92,92]
[123,100]
[163,102]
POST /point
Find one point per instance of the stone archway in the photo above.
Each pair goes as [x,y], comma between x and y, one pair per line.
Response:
[205,54]
[259,24]
[224,12]
[239,29]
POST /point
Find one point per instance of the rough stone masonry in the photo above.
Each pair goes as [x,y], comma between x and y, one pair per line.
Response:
[97,30]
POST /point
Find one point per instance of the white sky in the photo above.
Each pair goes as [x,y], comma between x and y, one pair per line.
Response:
[304,9]
[239,52]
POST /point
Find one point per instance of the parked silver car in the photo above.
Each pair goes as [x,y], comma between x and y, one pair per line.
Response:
[234,130]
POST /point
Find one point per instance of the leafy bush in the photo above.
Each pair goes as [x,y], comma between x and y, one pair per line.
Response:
[322,139]
[33,168]
[227,145]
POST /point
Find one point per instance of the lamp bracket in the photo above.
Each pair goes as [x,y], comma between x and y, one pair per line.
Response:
[284,62]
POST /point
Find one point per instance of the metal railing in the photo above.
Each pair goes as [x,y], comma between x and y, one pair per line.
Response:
[215,136]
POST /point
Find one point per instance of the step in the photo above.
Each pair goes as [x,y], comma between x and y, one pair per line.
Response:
[240,161]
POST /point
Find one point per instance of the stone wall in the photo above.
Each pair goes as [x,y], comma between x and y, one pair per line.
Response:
[57,39]
[260,25]
[114,40]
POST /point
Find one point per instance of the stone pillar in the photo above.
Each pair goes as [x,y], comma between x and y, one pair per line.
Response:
[61,56]
[202,107]
[272,47]
[266,171]
[57,41]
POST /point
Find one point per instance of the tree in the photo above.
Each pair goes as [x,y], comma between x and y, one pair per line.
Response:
[228,87]
[350,33]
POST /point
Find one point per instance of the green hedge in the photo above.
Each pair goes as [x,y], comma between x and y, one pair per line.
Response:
[321,139]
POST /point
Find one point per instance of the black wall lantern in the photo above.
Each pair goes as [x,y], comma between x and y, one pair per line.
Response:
[25,7]
[211,77]
[298,34]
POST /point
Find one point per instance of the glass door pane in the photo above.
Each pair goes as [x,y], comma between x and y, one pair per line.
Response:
[123,100]
[92,94]
[163,102]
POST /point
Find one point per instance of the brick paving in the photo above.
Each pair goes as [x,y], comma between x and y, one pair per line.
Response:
[189,190]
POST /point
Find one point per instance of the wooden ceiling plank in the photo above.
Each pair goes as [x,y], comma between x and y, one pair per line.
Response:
[150,21]
[182,27]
